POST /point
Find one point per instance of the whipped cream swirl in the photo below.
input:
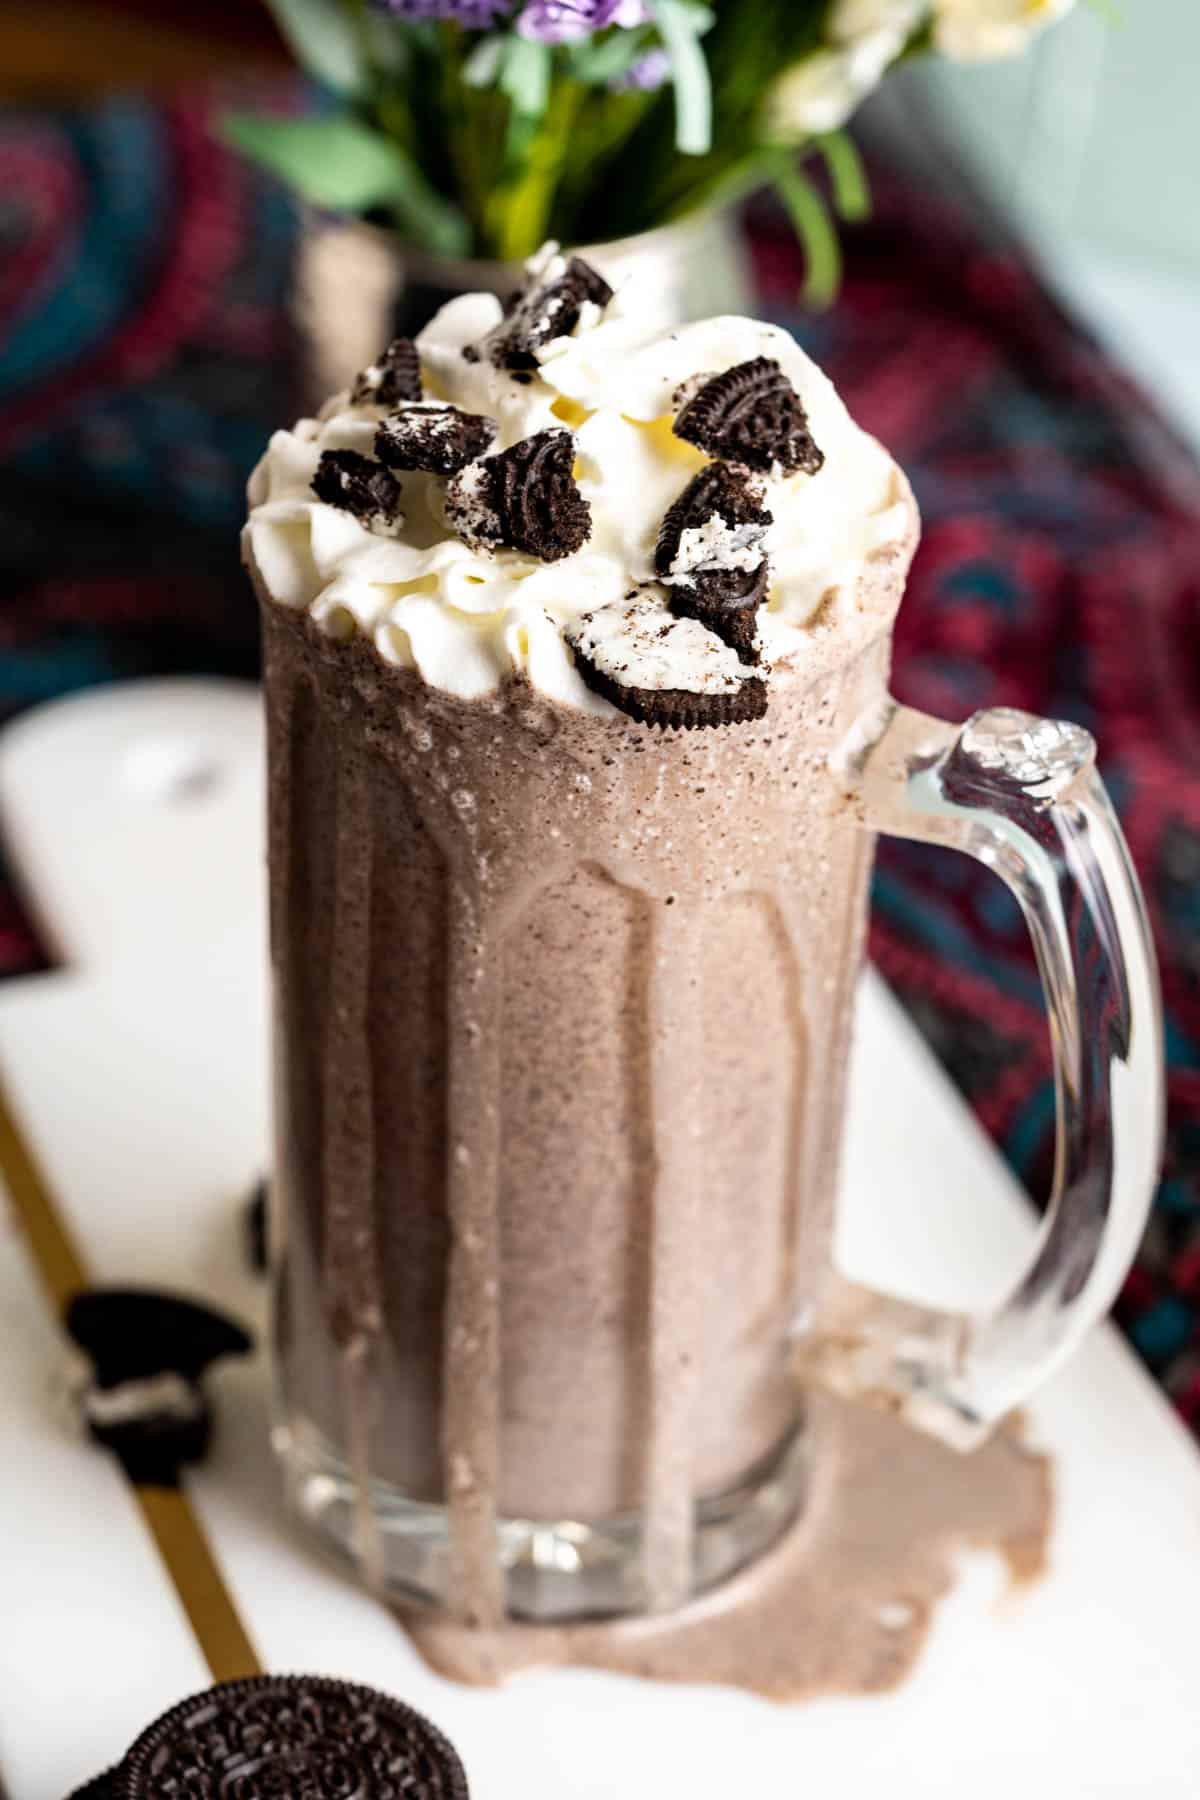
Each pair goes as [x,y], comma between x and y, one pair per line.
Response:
[466,618]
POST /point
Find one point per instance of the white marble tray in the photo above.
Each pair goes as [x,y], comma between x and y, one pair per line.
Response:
[138,1071]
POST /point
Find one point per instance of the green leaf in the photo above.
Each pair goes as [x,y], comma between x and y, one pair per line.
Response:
[848,177]
[387,46]
[525,76]
[342,164]
[689,71]
[323,40]
[525,79]
[483,64]
[599,60]
[815,229]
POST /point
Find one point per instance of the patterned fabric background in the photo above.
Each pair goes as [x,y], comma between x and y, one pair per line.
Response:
[144,355]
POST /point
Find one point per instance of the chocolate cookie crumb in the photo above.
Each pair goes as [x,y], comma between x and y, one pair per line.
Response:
[526,498]
[727,601]
[751,414]
[709,554]
[391,381]
[541,311]
[360,486]
[438,439]
[149,1352]
[722,510]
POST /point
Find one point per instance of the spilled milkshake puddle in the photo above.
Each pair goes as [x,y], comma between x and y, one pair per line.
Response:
[842,1606]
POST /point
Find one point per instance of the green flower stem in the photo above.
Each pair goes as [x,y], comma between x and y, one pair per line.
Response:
[848,177]
[814,227]
[518,212]
[602,129]
[356,12]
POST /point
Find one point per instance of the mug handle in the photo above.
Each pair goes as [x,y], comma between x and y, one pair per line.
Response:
[1021,795]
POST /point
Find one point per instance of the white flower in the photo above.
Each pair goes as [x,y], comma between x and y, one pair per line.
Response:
[853,19]
[820,93]
[981,30]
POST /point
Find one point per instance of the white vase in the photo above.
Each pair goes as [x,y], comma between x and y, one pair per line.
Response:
[357,285]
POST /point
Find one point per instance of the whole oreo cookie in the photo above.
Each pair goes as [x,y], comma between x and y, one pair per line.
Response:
[526,499]
[291,1735]
[751,414]
[391,381]
[441,440]
[543,310]
[357,485]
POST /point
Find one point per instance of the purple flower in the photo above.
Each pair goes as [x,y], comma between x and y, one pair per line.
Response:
[645,76]
[564,21]
[476,15]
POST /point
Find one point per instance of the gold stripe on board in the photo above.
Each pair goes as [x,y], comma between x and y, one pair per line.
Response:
[178,1534]
[206,1600]
[55,1257]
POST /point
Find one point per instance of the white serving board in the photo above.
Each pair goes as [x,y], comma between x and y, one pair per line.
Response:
[139,1072]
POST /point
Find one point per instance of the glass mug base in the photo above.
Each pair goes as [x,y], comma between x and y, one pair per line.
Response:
[555,1570]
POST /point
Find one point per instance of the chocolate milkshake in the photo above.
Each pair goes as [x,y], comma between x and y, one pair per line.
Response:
[563,621]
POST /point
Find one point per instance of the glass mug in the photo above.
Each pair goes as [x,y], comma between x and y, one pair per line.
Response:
[563,1013]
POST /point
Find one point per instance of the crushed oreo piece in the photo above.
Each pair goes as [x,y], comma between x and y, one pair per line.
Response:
[543,310]
[295,1735]
[752,415]
[719,520]
[360,486]
[100,1788]
[727,601]
[709,554]
[393,380]
[149,1353]
[441,440]
[526,499]
[663,670]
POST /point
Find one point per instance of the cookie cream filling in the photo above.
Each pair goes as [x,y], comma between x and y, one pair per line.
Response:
[716,545]
[639,644]
[466,617]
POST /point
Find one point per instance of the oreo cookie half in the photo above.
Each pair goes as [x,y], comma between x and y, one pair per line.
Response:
[663,670]
[357,485]
[751,414]
[293,1735]
[438,439]
[709,553]
[545,309]
[526,498]
[395,378]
